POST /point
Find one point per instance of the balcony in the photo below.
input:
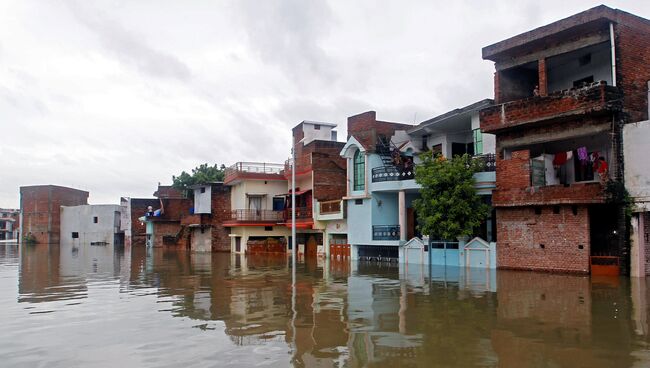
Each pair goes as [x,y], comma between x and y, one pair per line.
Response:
[385,232]
[253,170]
[330,210]
[303,166]
[391,173]
[577,193]
[254,217]
[488,162]
[301,213]
[197,219]
[596,98]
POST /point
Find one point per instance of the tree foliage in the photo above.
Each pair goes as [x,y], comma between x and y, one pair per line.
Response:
[449,206]
[202,174]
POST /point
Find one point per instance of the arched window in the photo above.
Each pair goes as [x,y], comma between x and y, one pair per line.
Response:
[359,166]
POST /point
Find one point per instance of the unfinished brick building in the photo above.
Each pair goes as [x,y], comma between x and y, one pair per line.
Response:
[320,187]
[563,92]
[40,210]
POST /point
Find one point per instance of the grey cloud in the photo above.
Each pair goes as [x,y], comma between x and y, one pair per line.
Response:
[129,48]
[289,35]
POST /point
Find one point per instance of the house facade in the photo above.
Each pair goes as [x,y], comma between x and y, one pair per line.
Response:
[563,93]
[86,225]
[382,158]
[320,174]
[9,224]
[257,208]
[40,210]
[211,209]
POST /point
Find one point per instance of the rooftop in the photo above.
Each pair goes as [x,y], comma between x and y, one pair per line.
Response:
[583,22]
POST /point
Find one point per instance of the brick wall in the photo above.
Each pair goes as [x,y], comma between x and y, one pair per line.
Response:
[515,171]
[329,176]
[577,101]
[220,213]
[164,229]
[40,206]
[632,64]
[365,128]
[138,209]
[522,232]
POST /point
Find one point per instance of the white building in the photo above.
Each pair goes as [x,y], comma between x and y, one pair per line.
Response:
[97,224]
[9,224]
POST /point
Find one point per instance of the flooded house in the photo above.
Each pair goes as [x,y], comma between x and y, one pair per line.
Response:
[382,159]
[211,209]
[9,224]
[96,224]
[257,208]
[320,174]
[563,93]
[40,210]
[163,222]
[135,230]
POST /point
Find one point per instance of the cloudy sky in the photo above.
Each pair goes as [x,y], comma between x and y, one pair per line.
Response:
[115,96]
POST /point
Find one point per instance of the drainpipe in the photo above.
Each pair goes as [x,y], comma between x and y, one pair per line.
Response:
[613,46]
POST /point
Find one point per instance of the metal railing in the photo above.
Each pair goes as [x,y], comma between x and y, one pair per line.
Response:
[488,160]
[252,167]
[256,215]
[385,232]
[391,173]
[329,207]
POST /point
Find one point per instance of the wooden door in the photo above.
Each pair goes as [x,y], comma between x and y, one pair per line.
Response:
[410,223]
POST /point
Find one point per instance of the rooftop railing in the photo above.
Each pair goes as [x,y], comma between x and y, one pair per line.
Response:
[252,168]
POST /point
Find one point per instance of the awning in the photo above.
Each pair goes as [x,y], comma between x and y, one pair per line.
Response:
[298,192]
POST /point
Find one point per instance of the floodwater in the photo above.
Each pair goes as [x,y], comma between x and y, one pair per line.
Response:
[62,306]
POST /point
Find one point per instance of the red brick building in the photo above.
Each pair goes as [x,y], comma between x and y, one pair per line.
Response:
[40,210]
[164,228]
[563,92]
[320,186]
[135,231]
[211,208]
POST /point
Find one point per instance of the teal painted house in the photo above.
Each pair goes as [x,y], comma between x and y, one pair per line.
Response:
[381,158]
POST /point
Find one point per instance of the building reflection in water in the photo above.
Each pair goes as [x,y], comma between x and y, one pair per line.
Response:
[367,314]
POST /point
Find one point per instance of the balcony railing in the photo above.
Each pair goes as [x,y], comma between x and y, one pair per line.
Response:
[595,98]
[330,207]
[488,160]
[391,173]
[385,232]
[256,216]
[301,213]
[252,168]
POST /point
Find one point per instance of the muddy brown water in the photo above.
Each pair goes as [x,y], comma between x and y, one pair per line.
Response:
[99,306]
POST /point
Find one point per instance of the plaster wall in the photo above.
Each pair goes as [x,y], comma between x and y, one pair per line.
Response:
[563,69]
[80,219]
[359,222]
[201,239]
[311,133]
[203,201]
[637,166]
[239,200]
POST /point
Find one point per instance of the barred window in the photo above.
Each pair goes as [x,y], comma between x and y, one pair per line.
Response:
[359,165]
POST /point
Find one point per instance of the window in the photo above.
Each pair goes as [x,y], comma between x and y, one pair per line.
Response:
[268,228]
[255,202]
[202,189]
[358,201]
[478,141]
[317,127]
[95,219]
[425,139]
[278,203]
[359,166]
[75,235]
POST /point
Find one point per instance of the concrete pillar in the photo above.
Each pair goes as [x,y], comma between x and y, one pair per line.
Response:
[637,263]
[326,244]
[639,305]
[543,85]
[401,199]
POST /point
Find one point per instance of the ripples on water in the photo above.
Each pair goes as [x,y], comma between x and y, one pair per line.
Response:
[104,307]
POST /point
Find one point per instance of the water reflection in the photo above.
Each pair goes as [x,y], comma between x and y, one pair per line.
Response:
[151,308]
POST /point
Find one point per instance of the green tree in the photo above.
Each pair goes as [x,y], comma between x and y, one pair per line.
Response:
[449,206]
[202,174]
